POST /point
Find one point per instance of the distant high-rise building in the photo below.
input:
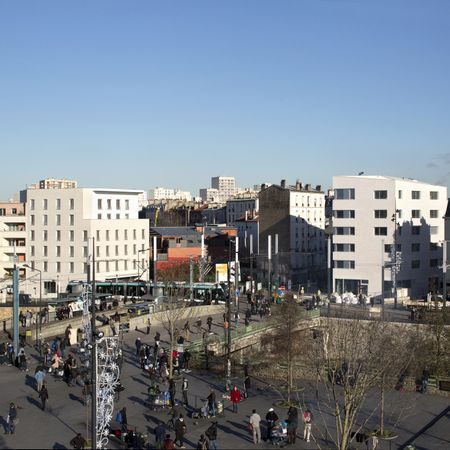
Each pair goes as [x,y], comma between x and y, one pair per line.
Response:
[161,193]
[54,183]
[222,189]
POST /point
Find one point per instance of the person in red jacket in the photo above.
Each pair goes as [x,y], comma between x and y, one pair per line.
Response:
[235,398]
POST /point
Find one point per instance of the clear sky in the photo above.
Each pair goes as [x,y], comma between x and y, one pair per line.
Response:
[137,94]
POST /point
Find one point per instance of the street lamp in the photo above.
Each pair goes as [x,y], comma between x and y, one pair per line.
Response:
[394,257]
[38,322]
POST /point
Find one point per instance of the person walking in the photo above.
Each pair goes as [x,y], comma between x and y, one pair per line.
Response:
[78,442]
[180,431]
[138,345]
[39,377]
[11,420]
[292,424]
[149,325]
[209,321]
[255,424]
[307,425]
[271,420]
[185,388]
[235,398]
[43,395]
[160,434]
[211,434]
[211,403]
[202,443]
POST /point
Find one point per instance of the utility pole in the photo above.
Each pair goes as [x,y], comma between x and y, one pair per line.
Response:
[155,261]
[191,279]
[202,259]
[16,306]
[444,275]
[277,263]
[329,266]
[236,271]
[93,354]
[251,266]
[228,341]
[269,262]
[382,278]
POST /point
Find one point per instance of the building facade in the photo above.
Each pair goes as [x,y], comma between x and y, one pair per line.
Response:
[297,215]
[371,215]
[161,193]
[65,227]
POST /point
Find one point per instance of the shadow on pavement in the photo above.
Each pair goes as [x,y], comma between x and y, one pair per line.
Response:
[76,398]
[58,446]
[34,402]
[139,400]
[30,381]
[228,430]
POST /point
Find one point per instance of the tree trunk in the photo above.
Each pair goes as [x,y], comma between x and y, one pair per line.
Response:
[382,406]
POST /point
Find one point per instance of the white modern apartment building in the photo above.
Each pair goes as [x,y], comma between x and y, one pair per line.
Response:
[297,215]
[370,215]
[162,193]
[222,188]
[66,226]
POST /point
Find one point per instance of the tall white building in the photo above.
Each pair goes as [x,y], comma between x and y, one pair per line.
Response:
[222,189]
[162,193]
[370,214]
[62,222]
[297,215]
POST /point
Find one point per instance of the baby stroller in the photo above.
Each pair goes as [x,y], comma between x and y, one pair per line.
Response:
[278,434]
[202,413]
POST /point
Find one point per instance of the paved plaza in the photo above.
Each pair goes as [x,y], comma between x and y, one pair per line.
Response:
[66,414]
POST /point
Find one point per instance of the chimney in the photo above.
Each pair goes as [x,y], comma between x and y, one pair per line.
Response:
[308,187]
[318,188]
[263,186]
[283,184]
[298,185]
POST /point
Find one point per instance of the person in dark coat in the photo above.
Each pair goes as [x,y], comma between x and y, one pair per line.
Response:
[160,435]
[211,434]
[271,420]
[78,442]
[43,395]
[180,431]
[292,424]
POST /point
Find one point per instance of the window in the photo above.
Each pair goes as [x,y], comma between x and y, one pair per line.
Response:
[117,250]
[127,204]
[344,214]
[134,234]
[344,264]
[107,266]
[344,247]
[381,195]
[134,249]
[434,213]
[107,235]
[99,203]
[434,262]
[125,234]
[58,235]
[415,229]
[387,248]
[434,230]
[107,250]
[45,266]
[98,235]
[71,203]
[117,265]
[32,250]
[58,251]
[108,203]
[143,234]
[415,195]
[32,220]
[45,235]
[415,264]
[71,235]
[97,251]
[380,213]
[45,204]
[85,267]
[380,231]
[58,219]
[344,231]
[71,252]
[117,216]
[415,247]
[85,253]
[343,194]
[98,267]
[85,235]
[32,235]
[117,204]
[58,267]
[127,216]
[433,246]
[45,250]
[125,265]
[45,220]
[117,235]
[71,220]
[399,194]
[32,204]
[58,203]
[108,216]
[72,267]
[434,195]
[415,213]
[399,213]
[99,216]
[125,249]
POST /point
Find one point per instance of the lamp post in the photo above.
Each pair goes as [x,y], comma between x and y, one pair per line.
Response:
[38,322]
[394,257]
[148,268]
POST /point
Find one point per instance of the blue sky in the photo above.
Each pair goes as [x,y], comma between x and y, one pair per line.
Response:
[136,94]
